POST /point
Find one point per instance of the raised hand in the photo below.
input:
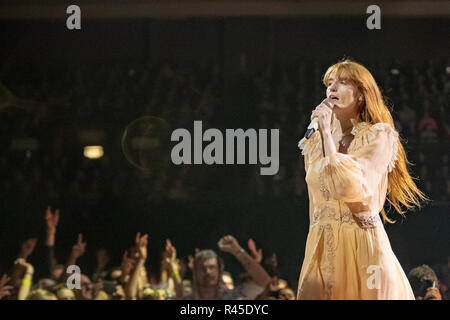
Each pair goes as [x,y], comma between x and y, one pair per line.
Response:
[171,251]
[256,254]
[254,269]
[25,266]
[79,248]
[27,247]
[191,260]
[51,219]
[432,294]
[141,246]
[323,112]
[102,259]
[5,290]
[127,263]
[272,260]
[170,257]
[229,244]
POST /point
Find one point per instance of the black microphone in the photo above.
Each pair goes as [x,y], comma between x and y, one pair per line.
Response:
[313,126]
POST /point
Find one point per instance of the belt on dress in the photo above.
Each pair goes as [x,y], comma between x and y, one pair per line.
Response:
[338,212]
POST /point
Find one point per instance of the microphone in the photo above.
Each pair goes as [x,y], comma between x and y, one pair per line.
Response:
[313,126]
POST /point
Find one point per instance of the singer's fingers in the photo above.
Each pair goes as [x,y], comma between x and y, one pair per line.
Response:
[321,111]
[324,106]
[331,103]
[328,102]
[315,114]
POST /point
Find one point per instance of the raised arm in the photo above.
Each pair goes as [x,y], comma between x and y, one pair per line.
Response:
[27,248]
[132,286]
[254,269]
[255,253]
[102,263]
[27,279]
[128,264]
[355,176]
[172,266]
[51,219]
[78,250]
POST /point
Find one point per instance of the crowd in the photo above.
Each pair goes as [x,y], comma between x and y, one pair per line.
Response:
[200,276]
[60,100]
[109,97]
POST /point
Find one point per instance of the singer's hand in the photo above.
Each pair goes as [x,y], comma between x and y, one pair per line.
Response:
[323,113]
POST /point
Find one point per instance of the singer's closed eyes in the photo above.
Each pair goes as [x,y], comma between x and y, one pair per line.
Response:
[353,161]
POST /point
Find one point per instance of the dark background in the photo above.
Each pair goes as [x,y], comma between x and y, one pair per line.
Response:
[81,79]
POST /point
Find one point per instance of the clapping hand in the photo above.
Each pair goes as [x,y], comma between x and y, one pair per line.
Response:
[170,257]
[141,246]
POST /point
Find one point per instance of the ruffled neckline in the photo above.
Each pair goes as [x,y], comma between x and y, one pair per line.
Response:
[313,143]
[364,133]
[358,126]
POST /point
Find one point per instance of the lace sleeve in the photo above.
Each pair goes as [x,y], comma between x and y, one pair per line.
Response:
[354,177]
[311,149]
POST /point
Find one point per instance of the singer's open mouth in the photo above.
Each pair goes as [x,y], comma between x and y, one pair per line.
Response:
[334,97]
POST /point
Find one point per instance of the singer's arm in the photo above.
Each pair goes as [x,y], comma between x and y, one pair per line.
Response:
[329,147]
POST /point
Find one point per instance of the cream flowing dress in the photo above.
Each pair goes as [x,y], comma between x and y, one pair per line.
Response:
[347,255]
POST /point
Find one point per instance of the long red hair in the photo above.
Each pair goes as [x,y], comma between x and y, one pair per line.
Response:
[401,188]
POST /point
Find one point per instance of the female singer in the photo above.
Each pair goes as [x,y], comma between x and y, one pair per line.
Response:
[352,163]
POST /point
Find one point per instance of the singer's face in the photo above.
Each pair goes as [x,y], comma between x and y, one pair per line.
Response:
[344,93]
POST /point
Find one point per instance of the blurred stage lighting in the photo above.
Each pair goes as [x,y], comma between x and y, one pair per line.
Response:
[93,152]
[146,143]
[395,71]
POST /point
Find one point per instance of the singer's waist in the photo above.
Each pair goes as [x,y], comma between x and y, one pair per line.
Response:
[336,212]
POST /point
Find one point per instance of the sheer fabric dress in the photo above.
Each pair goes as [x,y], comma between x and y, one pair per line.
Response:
[348,254]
